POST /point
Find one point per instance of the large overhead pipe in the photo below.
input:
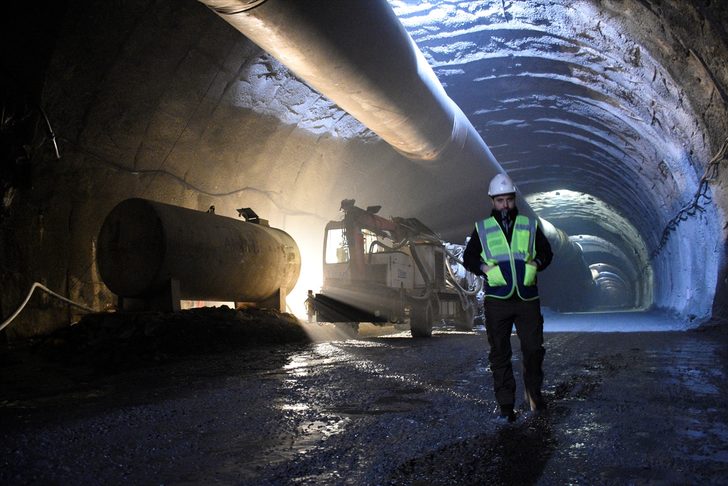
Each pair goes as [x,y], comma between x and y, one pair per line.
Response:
[152,255]
[577,290]
[358,54]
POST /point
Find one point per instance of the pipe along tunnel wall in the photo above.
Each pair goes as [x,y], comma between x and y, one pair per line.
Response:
[617,101]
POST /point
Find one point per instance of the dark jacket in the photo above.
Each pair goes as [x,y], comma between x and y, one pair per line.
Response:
[472,259]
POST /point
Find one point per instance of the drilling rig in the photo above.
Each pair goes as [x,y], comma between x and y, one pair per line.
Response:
[393,270]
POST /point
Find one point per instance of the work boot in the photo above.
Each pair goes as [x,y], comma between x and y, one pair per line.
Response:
[507,415]
[535,402]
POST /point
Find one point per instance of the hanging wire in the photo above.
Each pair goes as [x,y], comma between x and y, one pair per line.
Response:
[701,196]
[38,285]
[51,133]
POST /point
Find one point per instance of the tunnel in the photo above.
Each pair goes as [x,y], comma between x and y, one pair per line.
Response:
[206,126]
[610,116]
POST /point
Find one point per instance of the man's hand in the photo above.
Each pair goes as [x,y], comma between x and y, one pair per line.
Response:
[486,268]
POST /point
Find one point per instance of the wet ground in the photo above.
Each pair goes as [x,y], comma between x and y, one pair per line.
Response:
[381,408]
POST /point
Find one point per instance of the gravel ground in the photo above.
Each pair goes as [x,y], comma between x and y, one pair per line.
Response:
[381,408]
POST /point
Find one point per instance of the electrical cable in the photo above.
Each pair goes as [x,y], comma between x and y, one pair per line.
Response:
[47,290]
[51,133]
[423,272]
[453,278]
[463,293]
[479,281]
[693,207]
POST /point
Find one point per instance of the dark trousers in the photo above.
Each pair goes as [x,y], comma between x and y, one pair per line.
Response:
[500,315]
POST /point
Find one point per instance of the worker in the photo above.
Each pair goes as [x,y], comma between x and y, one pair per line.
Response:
[310,304]
[507,249]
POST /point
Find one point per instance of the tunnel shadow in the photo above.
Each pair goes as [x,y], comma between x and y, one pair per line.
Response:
[515,454]
[401,340]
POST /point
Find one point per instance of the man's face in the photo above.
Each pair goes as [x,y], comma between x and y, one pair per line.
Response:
[506,201]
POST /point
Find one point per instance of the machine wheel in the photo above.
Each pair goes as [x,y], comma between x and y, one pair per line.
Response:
[421,320]
[464,319]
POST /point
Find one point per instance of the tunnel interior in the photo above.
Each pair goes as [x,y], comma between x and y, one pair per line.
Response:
[612,247]
[596,131]
[610,116]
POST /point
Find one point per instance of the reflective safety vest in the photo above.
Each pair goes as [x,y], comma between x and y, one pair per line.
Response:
[509,260]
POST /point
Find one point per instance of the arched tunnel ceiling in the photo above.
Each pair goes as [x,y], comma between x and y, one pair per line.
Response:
[566,98]
[563,92]
[570,98]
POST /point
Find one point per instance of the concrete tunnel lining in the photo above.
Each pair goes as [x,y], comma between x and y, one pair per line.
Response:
[178,105]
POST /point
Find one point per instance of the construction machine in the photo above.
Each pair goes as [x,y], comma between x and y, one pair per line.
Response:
[393,270]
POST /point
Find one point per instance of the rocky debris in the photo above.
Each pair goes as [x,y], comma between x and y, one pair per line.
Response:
[114,341]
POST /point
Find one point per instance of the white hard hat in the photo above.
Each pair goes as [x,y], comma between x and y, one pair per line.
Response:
[501,184]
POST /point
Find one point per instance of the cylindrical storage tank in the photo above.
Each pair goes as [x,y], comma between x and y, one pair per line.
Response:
[144,244]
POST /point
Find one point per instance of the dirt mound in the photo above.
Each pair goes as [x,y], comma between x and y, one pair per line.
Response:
[114,340]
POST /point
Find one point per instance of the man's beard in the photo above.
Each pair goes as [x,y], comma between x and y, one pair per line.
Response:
[507,217]
[508,214]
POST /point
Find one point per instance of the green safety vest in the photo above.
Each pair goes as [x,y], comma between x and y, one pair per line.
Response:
[511,274]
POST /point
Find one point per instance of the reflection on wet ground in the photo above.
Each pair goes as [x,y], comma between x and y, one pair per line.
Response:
[381,408]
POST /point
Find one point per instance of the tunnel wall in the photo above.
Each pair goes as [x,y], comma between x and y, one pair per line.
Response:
[688,272]
[689,39]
